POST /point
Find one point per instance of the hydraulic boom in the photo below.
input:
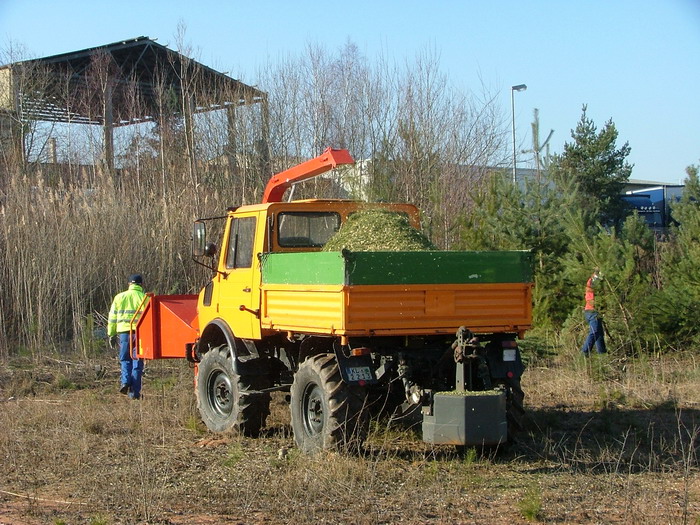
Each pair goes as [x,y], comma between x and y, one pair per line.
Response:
[328,160]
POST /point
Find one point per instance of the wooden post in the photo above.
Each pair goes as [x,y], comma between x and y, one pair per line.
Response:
[108,129]
[231,147]
[265,132]
[189,104]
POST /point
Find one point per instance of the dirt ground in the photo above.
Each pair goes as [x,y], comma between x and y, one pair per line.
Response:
[615,445]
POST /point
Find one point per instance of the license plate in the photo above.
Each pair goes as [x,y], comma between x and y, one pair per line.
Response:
[508,354]
[359,373]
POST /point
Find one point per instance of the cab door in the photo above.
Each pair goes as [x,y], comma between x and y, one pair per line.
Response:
[239,284]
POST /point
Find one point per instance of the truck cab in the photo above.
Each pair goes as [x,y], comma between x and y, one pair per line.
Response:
[233,295]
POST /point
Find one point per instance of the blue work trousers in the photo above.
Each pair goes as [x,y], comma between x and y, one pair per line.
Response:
[132,369]
[595,335]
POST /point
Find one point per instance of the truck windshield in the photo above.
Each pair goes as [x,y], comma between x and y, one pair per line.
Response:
[306,229]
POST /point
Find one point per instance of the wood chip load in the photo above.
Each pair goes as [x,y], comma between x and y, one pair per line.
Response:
[378,230]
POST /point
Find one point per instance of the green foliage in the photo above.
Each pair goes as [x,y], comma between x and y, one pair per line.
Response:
[164,383]
[471,456]
[194,424]
[538,345]
[64,383]
[234,455]
[558,218]
[610,399]
[675,307]
[597,166]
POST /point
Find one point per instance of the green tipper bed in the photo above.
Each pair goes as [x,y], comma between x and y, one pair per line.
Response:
[375,268]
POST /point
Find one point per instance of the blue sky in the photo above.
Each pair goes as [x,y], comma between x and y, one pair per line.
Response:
[635,62]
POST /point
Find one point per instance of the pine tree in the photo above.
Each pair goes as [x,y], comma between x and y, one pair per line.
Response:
[598,167]
[676,306]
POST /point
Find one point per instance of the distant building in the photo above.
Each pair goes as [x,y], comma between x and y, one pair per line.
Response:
[652,201]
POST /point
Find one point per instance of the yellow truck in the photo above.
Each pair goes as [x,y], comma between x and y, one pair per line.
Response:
[429,337]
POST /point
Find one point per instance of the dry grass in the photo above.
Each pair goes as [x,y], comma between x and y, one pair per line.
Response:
[606,442]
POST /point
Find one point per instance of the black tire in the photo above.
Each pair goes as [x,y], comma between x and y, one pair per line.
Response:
[326,412]
[515,410]
[221,395]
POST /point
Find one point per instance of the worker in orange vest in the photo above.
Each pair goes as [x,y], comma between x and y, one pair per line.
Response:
[595,322]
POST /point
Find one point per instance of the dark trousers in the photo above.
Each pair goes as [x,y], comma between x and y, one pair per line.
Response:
[595,335]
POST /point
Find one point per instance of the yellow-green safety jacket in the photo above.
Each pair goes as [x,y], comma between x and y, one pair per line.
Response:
[123,309]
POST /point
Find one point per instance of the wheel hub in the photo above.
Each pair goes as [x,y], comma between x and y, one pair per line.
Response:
[221,393]
[313,410]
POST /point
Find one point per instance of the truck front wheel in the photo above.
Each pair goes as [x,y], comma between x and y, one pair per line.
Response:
[222,397]
[326,412]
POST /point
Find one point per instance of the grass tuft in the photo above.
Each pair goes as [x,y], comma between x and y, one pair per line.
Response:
[530,505]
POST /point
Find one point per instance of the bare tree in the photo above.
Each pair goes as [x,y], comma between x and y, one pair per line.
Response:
[419,140]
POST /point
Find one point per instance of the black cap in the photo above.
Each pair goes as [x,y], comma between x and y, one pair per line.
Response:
[136,279]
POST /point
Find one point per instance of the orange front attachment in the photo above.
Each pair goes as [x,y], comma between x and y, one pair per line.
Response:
[168,323]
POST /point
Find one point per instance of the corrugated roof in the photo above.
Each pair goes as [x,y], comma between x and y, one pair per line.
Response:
[143,77]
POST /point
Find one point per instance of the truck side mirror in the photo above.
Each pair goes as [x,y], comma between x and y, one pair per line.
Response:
[199,239]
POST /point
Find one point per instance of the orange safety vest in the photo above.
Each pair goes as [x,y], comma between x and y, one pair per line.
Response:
[590,295]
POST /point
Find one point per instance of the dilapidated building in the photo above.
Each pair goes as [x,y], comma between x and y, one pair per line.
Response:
[125,83]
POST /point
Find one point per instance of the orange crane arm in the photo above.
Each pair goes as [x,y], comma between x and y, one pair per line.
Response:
[328,160]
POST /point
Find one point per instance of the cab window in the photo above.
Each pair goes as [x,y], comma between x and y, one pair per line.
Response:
[306,229]
[240,243]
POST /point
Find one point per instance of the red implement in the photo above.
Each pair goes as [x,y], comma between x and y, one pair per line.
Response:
[168,323]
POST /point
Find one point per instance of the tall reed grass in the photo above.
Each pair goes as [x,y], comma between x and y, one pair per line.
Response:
[69,249]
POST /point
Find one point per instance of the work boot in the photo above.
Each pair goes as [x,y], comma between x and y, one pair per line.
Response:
[124,389]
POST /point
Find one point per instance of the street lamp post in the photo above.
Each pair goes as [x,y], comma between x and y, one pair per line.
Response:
[513,89]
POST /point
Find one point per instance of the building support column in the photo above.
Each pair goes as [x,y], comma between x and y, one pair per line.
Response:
[265,135]
[108,131]
[12,146]
[189,104]
[231,147]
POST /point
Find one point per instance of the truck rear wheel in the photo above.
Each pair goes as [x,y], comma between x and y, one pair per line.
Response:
[326,412]
[222,397]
